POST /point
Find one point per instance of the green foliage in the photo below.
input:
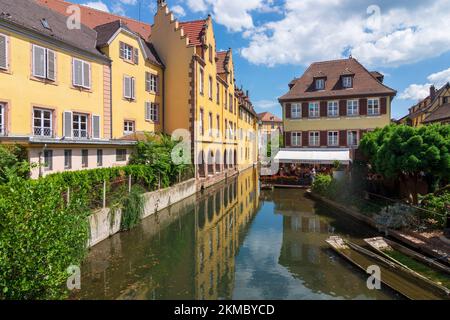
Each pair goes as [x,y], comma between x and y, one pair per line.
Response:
[322,184]
[438,204]
[132,209]
[40,237]
[337,165]
[13,162]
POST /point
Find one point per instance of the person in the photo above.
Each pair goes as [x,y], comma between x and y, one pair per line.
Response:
[313,174]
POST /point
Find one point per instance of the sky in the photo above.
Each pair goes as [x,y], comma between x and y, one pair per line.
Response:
[274,41]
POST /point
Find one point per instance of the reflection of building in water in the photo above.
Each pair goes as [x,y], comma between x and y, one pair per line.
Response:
[221,218]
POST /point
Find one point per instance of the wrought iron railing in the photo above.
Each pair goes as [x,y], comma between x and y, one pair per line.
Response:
[43,132]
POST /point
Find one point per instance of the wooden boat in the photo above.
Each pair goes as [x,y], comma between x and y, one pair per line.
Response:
[393,275]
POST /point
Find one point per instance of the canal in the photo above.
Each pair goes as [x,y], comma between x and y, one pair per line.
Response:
[231,242]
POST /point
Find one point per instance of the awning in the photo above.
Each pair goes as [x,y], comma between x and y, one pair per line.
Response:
[313,156]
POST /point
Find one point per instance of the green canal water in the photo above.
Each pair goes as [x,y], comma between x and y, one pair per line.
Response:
[231,242]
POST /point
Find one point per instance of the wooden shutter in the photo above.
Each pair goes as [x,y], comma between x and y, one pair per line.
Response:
[305,111]
[383,105]
[51,65]
[343,138]
[3,52]
[305,138]
[127,87]
[136,56]
[67,124]
[147,111]
[343,107]
[38,61]
[77,72]
[147,81]
[133,90]
[122,50]
[96,127]
[287,139]
[363,107]
[323,108]
[323,138]
[288,111]
[86,74]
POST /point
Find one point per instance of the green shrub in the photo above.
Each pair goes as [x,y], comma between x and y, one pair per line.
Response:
[322,184]
[132,208]
[13,162]
[437,204]
[40,237]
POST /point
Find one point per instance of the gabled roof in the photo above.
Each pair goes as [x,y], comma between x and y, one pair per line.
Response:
[268,117]
[364,82]
[222,61]
[440,114]
[194,30]
[30,15]
[93,17]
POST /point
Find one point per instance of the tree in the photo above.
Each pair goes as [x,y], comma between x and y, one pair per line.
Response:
[13,162]
[399,151]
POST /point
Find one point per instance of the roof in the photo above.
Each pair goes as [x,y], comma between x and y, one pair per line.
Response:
[441,113]
[364,82]
[426,103]
[106,31]
[194,31]
[313,156]
[29,14]
[93,17]
[222,61]
[268,117]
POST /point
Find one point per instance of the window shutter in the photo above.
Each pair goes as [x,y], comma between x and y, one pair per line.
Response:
[67,124]
[147,81]
[122,50]
[51,65]
[305,138]
[136,56]
[147,111]
[132,85]
[86,75]
[38,62]
[343,138]
[323,108]
[383,105]
[288,110]
[287,138]
[305,111]
[363,107]
[323,138]
[157,84]
[96,127]
[3,52]
[77,73]
[127,87]
[343,107]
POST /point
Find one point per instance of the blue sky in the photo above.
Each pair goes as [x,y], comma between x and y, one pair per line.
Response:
[275,40]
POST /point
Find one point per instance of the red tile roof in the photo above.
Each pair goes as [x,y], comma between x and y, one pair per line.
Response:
[93,18]
[222,61]
[364,83]
[194,31]
[440,114]
[268,117]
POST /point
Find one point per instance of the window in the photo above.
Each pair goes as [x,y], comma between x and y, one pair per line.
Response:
[210,51]
[84,158]
[314,138]
[352,108]
[230,100]
[218,126]
[2,119]
[314,111]
[67,159]
[347,82]
[296,138]
[121,155]
[333,138]
[45,24]
[333,109]
[81,74]
[210,88]
[42,122]
[202,82]
[99,157]
[80,125]
[296,111]
[201,124]
[352,138]
[226,99]
[373,107]
[129,88]
[44,63]
[151,111]
[151,82]
[126,52]
[210,125]
[226,128]
[48,159]
[128,127]
[3,52]
[218,93]
[320,84]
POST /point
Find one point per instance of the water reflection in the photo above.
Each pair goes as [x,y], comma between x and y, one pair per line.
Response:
[229,243]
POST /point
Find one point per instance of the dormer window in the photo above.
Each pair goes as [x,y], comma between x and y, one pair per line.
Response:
[347,82]
[320,84]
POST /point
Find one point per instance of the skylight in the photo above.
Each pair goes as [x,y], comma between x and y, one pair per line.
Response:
[45,24]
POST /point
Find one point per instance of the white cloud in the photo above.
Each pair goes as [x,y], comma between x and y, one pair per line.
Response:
[393,34]
[421,91]
[99,5]
[178,10]
[266,104]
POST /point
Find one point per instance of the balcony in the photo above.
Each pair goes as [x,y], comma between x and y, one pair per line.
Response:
[42,132]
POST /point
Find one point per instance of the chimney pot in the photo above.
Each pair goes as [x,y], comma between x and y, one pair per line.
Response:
[432,92]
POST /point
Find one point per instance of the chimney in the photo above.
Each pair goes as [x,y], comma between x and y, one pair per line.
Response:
[161,3]
[432,92]
[247,94]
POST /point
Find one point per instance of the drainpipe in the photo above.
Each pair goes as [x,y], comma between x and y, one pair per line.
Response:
[163,107]
[40,159]
[110,101]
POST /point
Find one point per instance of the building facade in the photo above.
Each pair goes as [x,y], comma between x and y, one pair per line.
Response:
[333,104]
[268,123]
